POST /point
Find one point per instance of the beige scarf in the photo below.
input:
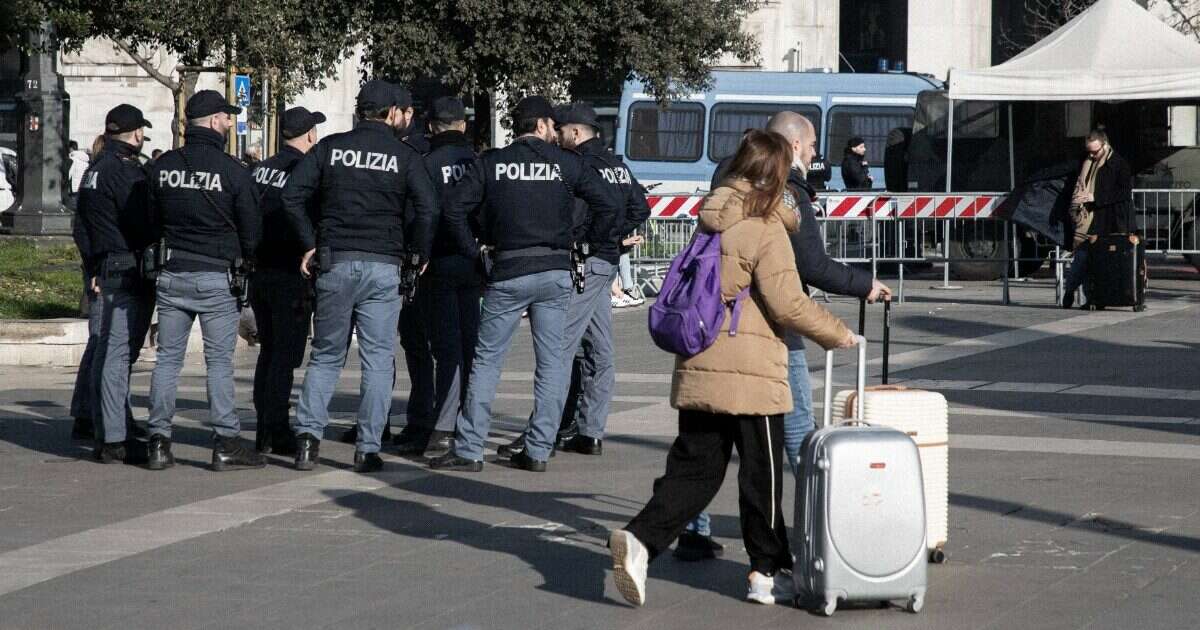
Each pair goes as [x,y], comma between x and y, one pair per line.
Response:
[1085,194]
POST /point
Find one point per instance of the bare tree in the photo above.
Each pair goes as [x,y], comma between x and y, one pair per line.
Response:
[181,80]
[1182,15]
[1039,19]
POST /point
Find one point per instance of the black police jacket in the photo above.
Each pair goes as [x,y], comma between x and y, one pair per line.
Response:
[110,216]
[524,196]
[202,201]
[280,248]
[450,157]
[632,210]
[855,172]
[365,181]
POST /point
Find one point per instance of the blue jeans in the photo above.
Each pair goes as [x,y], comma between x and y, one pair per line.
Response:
[365,295]
[547,296]
[1078,271]
[182,297]
[797,424]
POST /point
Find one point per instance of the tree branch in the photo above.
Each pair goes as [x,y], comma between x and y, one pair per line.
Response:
[145,64]
[1178,9]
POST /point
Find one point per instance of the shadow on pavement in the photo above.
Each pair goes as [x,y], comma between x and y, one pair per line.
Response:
[1111,527]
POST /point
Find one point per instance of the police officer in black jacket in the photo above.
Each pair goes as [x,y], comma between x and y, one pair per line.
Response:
[278,293]
[589,319]
[111,214]
[448,300]
[205,207]
[523,197]
[856,171]
[366,181]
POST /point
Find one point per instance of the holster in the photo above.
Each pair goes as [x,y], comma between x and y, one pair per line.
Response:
[410,275]
[152,260]
[119,270]
[579,254]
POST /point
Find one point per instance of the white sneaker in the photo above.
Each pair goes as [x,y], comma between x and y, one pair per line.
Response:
[769,590]
[630,561]
[620,301]
[633,299]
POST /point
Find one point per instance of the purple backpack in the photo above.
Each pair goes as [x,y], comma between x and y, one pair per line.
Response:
[688,314]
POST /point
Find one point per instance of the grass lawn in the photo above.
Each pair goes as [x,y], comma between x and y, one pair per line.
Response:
[38,282]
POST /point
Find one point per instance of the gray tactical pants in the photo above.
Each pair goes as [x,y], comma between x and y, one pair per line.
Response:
[124,322]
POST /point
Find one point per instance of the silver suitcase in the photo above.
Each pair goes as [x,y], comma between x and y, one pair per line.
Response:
[859,531]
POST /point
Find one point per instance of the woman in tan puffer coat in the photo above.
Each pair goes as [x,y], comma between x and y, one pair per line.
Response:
[736,391]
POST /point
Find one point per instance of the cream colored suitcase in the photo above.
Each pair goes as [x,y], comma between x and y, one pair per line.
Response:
[924,416]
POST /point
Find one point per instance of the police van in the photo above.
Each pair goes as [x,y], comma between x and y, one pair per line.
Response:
[675,149]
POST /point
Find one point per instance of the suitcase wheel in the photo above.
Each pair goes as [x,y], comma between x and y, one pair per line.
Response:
[1139,308]
[937,556]
[829,607]
[915,604]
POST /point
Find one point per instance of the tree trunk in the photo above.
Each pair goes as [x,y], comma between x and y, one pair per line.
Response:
[181,93]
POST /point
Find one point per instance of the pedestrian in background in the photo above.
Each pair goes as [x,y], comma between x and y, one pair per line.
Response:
[735,392]
[856,170]
[1101,205]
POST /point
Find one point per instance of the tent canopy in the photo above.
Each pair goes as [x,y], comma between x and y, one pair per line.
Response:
[1113,51]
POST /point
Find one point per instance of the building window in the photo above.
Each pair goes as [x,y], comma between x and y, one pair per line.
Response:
[674,134]
[731,120]
[873,33]
[872,124]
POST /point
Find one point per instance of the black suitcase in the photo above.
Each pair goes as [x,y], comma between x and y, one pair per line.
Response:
[1116,272]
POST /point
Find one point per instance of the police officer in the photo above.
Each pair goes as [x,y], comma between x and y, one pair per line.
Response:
[365,180]
[450,291]
[524,194]
[278,293]
[111,211]
[205,206]
[589,318]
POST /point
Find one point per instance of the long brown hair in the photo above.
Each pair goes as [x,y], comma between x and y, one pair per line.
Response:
[763,159]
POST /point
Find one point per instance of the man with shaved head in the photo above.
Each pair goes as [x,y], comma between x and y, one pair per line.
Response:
[816,269]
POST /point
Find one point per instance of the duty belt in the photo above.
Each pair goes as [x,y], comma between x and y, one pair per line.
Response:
[350,256]
[528,252]
[178,254]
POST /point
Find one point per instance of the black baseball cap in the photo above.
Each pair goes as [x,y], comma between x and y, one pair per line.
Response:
[854,141]
[206,103]
[378,94]
[576,114]
[298,120]
[123,118]
[533,107]
[448,109]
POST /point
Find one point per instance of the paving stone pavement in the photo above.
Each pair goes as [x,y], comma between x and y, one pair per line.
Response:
[1075,440]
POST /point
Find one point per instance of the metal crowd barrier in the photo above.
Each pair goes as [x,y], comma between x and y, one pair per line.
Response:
[878,228]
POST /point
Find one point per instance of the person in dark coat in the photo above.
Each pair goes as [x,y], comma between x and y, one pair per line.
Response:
[856,172]
[1105,190]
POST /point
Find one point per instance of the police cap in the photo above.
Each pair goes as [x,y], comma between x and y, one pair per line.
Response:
[206,103]
[448,109]
[533,107]
[123,118]
[375,95]
[576,114]
[298,120]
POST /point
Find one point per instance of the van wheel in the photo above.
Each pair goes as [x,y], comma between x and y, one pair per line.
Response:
[977,240]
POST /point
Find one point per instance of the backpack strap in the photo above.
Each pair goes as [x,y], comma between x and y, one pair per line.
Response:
[737,310]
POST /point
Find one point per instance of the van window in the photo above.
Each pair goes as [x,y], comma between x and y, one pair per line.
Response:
[730,120]
[674,134]
[872,124]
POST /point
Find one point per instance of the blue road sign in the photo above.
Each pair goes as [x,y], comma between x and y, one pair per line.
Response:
[241,95]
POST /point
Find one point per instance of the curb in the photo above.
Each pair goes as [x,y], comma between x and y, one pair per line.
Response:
[60,342]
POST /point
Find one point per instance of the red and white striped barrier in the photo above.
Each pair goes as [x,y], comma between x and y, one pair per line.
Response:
[857,206]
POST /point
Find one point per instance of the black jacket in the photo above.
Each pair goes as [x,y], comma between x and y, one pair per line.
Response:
[1113,198]
[280,247]
[855,172]
[524,196]
[365,181]
[110,216]
[450,157]
[633,209]
[204,202]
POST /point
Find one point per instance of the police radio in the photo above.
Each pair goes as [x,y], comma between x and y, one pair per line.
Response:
[410,274]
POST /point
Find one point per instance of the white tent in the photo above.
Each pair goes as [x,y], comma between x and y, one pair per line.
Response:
[1115,50]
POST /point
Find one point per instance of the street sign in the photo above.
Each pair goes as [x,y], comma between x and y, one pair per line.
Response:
[241,95]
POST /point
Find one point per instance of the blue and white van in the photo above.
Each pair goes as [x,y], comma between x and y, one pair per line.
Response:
[678,147]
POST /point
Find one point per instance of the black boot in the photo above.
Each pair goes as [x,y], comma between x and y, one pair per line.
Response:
[367,462]
[83,429]
[411,441]
[439,442]
[234,454]
[566,434]
[158,453]
[308,452]
[523,461]
[517,446]
[585,445]
[109,453]
[451,461]
[282,441]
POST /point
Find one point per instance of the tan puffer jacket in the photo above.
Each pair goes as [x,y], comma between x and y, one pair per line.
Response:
[746,374]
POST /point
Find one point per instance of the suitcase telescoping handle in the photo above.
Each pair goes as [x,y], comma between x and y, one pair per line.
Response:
[887,331]
[860,383]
